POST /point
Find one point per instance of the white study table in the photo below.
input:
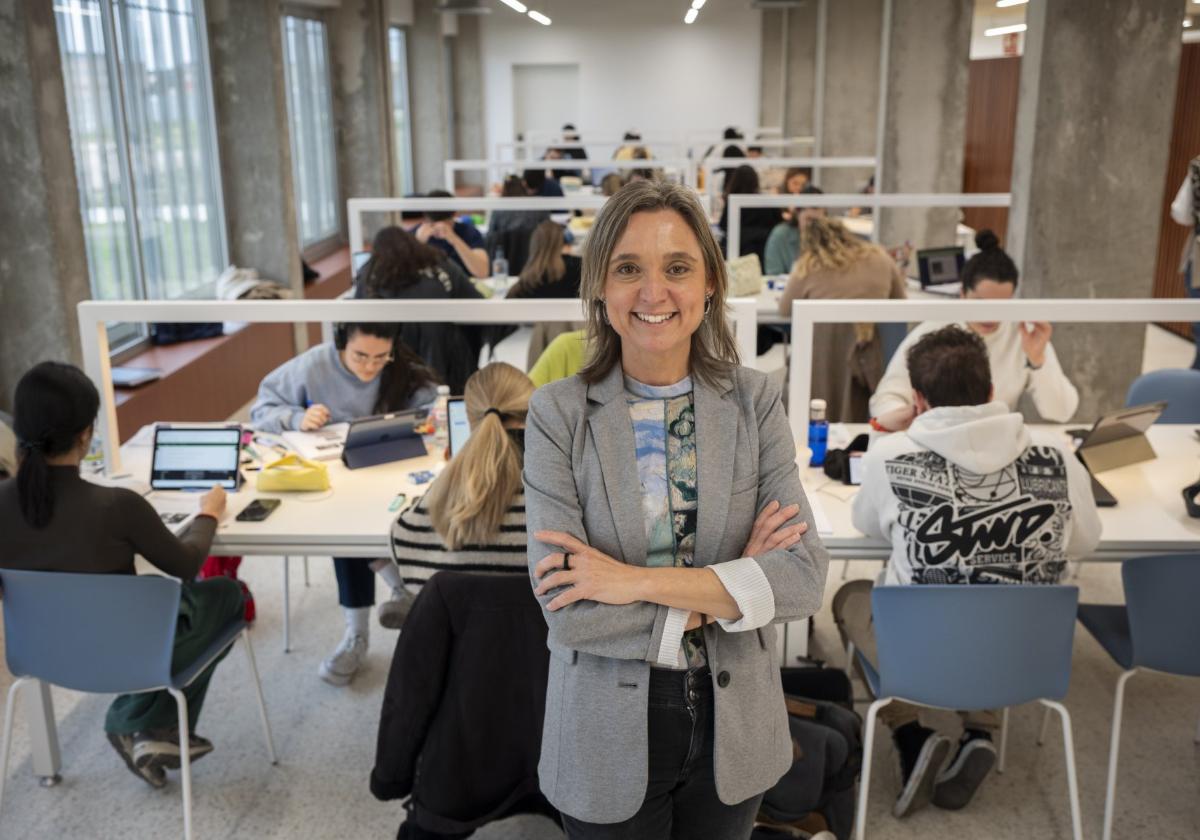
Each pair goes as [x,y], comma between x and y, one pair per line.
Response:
[354,521]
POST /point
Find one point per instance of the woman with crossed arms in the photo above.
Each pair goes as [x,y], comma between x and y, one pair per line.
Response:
[670,532]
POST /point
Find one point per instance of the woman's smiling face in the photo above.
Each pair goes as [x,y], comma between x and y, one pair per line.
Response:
[654,290]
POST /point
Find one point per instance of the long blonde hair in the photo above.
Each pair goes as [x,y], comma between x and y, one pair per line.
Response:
[545,263]
[468,500]
[826,245]
[714,352]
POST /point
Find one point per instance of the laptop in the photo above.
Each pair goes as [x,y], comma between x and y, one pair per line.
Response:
[940,266]
[1116,439]
[460,426]
[384,438]
[196,457]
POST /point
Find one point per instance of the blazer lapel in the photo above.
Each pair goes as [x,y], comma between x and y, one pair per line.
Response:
[612,433]
[716,435]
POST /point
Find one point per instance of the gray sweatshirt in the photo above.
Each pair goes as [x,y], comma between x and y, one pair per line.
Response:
[318,376]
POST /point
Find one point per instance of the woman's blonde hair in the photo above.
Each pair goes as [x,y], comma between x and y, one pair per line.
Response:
[714,351]
[826,245]
[545,263]
[468,500]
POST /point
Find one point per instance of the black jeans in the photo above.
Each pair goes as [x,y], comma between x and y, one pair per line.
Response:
[681,795]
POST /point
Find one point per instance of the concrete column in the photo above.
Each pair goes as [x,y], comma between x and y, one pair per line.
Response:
[469,139]
[426,63]
[925,129]
[789,48]
[851,88]
[358,47]
[1094,124]
[245,47]
[43,259]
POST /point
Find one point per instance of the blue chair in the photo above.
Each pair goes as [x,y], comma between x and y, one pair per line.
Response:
[1180,387]
[971,648]
[106,634]
[1157,628]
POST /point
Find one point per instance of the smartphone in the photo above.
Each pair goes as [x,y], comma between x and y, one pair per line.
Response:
[258,510]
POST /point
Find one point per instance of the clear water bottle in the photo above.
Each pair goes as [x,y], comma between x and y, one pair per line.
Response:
[441,419]
[500,271]
[818,432]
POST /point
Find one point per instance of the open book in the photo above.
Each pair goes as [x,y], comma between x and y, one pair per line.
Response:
[325,444]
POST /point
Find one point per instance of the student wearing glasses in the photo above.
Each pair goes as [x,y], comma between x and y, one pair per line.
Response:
[365,370]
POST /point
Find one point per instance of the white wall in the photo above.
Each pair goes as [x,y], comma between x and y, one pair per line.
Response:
[640,66]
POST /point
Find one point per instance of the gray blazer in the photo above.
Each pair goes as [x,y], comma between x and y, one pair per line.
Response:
[581,477]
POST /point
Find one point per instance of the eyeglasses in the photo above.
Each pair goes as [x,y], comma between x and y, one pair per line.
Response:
[361,358]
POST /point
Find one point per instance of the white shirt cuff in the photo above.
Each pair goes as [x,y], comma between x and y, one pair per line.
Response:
[744,580]
[670,650]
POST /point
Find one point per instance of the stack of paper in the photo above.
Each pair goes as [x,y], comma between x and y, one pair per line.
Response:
[325,444]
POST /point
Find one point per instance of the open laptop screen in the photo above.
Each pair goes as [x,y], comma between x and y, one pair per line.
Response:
[195,458]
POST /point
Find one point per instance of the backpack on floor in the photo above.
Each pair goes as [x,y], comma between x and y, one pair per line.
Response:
[817,682]
[818,792]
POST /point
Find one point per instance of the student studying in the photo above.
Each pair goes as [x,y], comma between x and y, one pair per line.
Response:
[366,370]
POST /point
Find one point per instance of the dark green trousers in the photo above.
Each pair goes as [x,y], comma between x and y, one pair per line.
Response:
[205,607]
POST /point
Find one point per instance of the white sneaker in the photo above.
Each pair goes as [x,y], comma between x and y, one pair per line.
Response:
[394,611]
[343,663]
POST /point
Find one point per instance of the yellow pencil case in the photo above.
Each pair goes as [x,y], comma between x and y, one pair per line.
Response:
[293,473]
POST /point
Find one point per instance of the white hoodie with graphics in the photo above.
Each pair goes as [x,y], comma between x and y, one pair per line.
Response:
[967,495]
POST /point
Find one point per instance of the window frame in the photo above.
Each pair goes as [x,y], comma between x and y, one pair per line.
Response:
[402,147]
[117,47]
[332,240]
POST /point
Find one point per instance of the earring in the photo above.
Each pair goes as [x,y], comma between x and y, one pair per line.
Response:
[707,305]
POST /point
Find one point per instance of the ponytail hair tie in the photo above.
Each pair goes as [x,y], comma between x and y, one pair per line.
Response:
[495,411]
[28,446]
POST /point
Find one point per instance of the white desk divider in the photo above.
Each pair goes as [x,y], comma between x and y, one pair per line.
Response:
[355,207]
[710,165]
[806,313]
[522,151]
[498,167]
[738,202]
[94,315]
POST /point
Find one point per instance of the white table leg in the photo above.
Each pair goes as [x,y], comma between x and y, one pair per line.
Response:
[43,733]
[795,641]
[287,608]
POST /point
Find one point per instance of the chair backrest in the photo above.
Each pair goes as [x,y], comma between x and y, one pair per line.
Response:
[1161,595]
[974,647]
[1180,387]
[100,633]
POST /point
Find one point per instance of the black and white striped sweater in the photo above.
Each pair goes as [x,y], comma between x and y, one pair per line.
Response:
[418,550]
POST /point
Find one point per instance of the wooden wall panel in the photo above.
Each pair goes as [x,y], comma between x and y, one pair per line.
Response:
[992,89]
[1185,145]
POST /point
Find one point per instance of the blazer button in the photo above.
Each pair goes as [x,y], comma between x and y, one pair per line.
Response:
[723,679]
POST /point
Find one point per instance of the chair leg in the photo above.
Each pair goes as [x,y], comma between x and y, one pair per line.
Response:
[1042,729]
[10,707]
[262,705]
[287,607]
[1003,741]
[305,571]
[1110,790]
[1072,780]
[185,760]
[849,657]
[860,818]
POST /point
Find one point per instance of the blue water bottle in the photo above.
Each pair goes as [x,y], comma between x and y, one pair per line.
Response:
[818,432]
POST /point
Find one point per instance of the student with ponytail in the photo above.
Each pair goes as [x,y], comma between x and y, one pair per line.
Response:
[55,521]
[1021,355]
[473,516]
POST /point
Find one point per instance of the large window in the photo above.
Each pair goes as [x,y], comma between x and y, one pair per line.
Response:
[401,129]
[310,120]
[140,107]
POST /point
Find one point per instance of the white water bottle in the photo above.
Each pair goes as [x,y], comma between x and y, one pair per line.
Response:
[441,419]
[500,271]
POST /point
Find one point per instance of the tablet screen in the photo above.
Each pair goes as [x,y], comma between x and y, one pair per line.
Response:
[195,458]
